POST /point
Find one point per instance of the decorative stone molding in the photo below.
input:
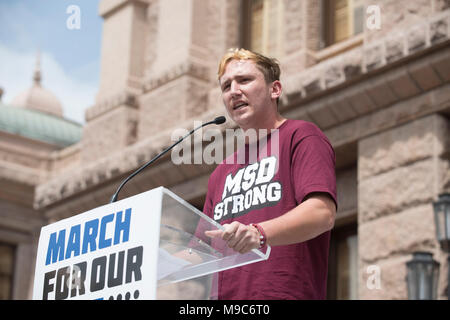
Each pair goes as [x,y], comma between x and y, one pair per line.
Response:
[185,68]
[26,176]
[110,103]
[106,7]
[368,57]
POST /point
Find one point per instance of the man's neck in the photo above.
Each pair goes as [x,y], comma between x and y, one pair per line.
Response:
[263,129]
[268,125]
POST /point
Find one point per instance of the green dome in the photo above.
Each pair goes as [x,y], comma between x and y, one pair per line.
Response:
[39,126]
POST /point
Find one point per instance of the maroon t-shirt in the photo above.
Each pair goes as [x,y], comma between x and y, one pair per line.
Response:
[264,188]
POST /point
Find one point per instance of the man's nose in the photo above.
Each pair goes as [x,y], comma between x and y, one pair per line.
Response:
[235,88]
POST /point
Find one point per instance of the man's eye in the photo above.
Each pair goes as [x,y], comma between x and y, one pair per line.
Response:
[225,87]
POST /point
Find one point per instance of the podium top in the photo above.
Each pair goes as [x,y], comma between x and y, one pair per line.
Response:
[182,235]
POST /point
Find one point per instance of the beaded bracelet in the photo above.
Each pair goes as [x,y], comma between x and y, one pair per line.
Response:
[262,235]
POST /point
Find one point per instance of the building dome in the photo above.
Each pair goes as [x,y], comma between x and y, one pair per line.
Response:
[38,98]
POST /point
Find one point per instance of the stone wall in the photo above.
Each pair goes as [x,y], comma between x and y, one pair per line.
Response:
[400,172]
[401,14]
[109,133]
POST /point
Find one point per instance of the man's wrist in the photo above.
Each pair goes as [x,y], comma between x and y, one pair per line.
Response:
[262,235]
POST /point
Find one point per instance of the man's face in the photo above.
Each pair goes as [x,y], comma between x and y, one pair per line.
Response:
[245,93]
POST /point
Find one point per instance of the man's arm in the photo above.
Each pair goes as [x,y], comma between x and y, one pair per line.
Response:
[309,219]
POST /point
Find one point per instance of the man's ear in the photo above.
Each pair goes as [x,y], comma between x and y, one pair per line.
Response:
[276,89]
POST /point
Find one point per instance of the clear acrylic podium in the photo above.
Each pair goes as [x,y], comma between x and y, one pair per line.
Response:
[188,260]
[148,246]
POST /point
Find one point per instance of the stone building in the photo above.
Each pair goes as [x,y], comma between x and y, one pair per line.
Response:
[373,75]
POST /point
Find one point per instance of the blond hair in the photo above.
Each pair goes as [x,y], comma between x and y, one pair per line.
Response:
[268,66]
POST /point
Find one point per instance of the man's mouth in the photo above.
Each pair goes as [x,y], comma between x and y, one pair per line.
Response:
[239,105]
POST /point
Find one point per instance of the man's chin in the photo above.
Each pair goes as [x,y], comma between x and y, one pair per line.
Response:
[242,120]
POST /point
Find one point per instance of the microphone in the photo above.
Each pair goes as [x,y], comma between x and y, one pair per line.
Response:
[218,120]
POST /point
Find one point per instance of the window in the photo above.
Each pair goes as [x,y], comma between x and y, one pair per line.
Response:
[6,271]
[262,23]
[256,25]
[342,19]
[343,264]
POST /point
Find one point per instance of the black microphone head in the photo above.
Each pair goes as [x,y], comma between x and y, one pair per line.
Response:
[220,120]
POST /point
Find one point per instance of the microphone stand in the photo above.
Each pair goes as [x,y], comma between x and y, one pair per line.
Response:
[218,120]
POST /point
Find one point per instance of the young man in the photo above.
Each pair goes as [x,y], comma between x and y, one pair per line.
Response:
[291,208]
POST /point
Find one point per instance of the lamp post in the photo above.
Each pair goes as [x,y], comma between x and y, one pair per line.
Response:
[422,276]
[442,221]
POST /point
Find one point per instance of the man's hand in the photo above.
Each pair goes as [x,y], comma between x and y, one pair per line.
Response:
[239,237]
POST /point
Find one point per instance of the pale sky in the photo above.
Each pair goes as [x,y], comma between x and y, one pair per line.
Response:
[70,58]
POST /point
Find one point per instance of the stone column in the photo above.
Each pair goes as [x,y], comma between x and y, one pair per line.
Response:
[301,35]
[112,121]
[123,46]
[400,172]
[25,262]
[178,83]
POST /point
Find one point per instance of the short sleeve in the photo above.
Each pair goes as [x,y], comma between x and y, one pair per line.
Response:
[313,167]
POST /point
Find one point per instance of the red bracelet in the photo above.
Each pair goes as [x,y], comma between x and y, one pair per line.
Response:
[262,235]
